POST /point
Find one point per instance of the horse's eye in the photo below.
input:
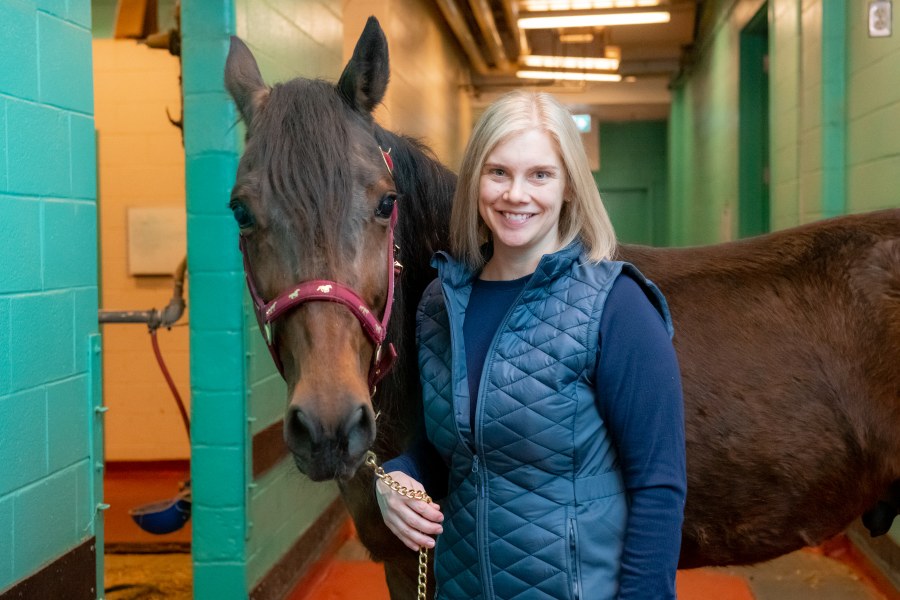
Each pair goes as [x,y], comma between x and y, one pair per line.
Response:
[242,215]
[385,206]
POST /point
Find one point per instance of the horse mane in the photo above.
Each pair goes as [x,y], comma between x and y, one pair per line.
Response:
[425,188]
[288,137]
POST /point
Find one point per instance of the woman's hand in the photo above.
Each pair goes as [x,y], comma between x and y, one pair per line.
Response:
[413,521]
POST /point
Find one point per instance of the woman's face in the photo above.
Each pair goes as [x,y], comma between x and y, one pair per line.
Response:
[521,194]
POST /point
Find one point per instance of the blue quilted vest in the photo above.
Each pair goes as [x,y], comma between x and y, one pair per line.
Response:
[536,508]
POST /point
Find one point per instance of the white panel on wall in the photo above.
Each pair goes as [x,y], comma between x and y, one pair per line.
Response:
[156,240]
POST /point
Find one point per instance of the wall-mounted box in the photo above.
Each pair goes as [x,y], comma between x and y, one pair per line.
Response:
[157,240]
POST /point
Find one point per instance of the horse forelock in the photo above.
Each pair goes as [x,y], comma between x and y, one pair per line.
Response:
[306,145]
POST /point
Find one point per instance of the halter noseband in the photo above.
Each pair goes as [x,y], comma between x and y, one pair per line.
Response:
[331,291]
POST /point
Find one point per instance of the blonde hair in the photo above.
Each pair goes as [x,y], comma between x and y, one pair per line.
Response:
[583,215]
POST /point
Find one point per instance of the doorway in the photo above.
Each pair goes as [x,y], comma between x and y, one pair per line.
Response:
[753,200]
[141,213]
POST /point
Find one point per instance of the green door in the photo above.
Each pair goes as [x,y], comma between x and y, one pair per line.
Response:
[753,209]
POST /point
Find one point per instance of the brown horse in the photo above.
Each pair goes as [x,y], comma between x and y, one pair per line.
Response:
[789,343]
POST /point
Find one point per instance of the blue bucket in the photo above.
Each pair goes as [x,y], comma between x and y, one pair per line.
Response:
[165,516]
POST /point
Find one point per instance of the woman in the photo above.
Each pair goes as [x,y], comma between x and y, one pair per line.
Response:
[551,391]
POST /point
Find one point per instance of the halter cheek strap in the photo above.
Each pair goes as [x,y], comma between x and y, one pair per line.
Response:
[323,290]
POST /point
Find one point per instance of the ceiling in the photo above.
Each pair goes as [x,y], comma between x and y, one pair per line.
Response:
[650,54]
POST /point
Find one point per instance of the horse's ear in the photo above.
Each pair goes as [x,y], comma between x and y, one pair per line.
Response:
[243,80]
[365,77]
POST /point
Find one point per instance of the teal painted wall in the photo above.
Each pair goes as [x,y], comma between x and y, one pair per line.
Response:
[48,285]
[632,179]
[241,527]
[218,363]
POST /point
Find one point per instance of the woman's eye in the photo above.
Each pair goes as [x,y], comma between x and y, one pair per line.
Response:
[242,215]
[385,206]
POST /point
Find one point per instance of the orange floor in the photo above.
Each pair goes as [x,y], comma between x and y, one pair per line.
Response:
[349,576]
[346,574]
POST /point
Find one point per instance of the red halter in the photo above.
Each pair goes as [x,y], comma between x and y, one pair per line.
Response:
[332,291]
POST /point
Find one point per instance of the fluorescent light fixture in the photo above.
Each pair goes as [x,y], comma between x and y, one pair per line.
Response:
[604,19]
[550,5]
[576,38]
[569,76]
[571,62]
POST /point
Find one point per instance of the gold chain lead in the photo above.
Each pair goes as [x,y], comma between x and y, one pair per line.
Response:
[372,461]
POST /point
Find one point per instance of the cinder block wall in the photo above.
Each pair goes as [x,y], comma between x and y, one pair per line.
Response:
[834,126]
[48,284]
[218,366]
[873,118]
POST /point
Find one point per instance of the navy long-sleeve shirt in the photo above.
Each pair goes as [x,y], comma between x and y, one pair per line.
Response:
[638,391]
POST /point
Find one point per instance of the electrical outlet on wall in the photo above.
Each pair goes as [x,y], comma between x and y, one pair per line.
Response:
[880,18]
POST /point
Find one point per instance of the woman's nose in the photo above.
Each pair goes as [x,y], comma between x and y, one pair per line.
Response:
[515,191]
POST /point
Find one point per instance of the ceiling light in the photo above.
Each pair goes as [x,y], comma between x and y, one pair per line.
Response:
[576,38]
[592,19]
[571,62]
[569,75]
[549,5]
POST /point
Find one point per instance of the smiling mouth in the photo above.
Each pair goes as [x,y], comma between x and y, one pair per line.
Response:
[516,217]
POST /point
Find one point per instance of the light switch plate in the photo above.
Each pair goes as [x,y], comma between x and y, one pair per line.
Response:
[880,18]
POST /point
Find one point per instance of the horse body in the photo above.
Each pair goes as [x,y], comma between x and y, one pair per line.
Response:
[789,346]
[788,343]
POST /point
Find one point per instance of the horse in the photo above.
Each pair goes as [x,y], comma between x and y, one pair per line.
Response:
[788,343]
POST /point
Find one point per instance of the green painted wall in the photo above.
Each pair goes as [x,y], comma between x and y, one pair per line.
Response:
[834,118]
[298,38]
[632,179]
[873,114]
[49,375]
[703,173]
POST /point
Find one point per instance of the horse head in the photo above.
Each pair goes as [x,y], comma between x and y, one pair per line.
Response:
[315,202]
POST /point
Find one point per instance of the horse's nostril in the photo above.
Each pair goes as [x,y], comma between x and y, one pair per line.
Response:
[301,433]
[359,431]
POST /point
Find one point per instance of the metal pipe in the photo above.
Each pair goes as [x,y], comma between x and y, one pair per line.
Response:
[484,16]
[461,30]
[511,11]
[128,316]
[154,318]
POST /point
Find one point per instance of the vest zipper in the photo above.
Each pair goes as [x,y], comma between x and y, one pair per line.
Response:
[482,533]
[573,550]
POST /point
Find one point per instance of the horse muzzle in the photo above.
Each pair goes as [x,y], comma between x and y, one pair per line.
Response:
[329,450]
